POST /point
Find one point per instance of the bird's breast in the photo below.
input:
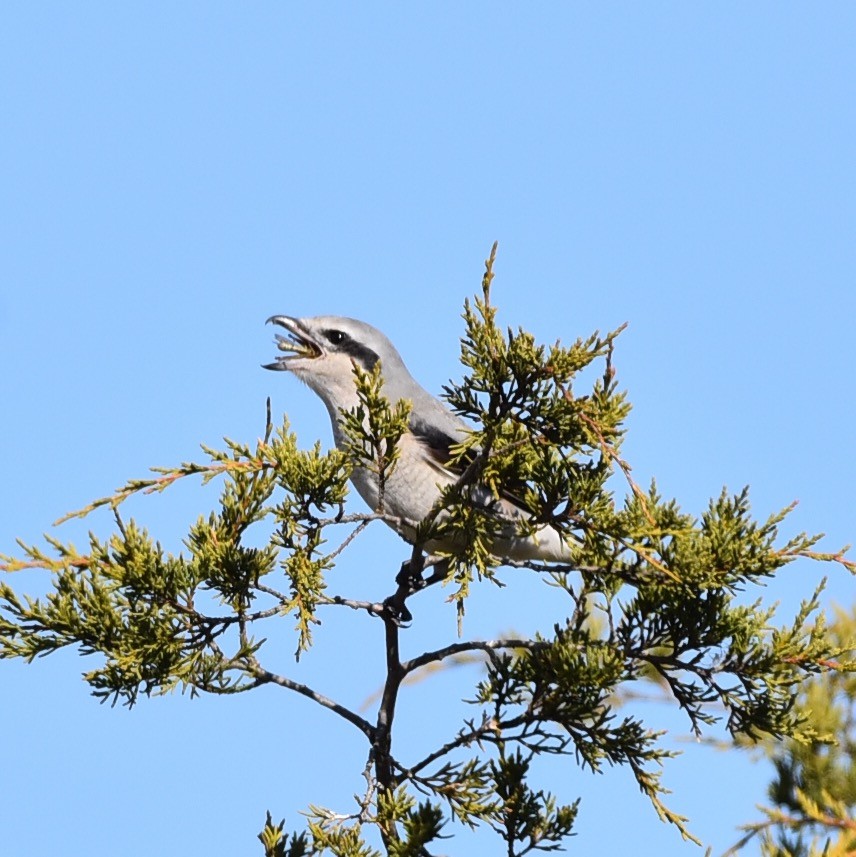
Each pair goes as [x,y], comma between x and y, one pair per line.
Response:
[412,487]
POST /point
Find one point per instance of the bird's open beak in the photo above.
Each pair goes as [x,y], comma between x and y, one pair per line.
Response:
[298,344]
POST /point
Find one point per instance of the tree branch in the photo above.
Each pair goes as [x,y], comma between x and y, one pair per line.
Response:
[469,646]
[264,676]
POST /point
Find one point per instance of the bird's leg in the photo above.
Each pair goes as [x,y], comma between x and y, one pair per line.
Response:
[409,581]
[395,609]
[410,573]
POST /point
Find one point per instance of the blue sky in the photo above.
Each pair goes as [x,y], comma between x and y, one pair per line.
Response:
[173,174]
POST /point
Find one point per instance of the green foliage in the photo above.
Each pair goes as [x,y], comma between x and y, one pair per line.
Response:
[162,621]
[522,816]
[277,844]
[651,591]
[813,792]
[374,428]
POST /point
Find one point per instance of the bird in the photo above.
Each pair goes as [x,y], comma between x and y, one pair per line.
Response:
[322,351]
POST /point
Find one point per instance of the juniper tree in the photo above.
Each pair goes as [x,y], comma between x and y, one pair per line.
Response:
[652,591]
[813,791]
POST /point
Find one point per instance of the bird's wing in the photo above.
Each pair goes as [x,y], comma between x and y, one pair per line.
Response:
[438,441]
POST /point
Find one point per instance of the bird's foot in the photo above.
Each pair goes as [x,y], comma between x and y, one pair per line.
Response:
[410,575]
[409,581]
[396,611]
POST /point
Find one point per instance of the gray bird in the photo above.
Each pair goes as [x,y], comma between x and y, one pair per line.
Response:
[321,351]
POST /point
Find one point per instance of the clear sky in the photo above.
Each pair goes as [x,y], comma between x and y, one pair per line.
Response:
[173,174]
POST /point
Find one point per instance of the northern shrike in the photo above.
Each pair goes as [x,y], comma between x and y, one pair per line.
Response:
[321,351]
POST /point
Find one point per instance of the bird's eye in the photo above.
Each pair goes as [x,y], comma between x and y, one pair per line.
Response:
[336,337]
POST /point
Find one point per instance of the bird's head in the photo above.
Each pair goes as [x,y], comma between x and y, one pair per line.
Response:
[322,351]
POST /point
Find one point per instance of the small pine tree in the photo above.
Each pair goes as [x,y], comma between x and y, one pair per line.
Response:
[651,590]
